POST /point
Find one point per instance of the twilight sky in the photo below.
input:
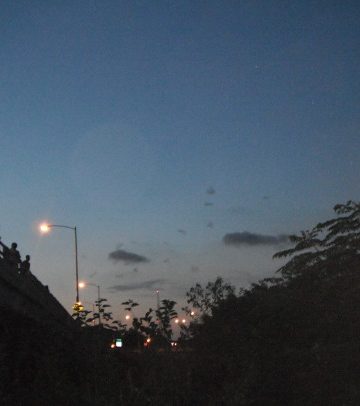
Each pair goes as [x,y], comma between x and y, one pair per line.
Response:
[184,139]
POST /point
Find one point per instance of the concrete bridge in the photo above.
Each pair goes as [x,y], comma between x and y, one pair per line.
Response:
[25,295]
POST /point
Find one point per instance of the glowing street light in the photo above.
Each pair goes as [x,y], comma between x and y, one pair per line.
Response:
[45,228]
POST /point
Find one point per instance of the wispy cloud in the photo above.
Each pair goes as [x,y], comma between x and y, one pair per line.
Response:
[148,285]
[246,238]
[181,231]
[210,190]
[127,257]
[208,204]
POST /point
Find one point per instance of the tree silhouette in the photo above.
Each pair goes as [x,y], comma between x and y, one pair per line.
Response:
[329,250]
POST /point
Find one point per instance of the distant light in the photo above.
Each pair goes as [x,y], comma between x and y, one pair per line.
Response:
[192,313]
[127,317]
[183,321]
[118,343]
[112,345]
[176,321]
[78,307]
[82,284]
[44,228]
[148,340]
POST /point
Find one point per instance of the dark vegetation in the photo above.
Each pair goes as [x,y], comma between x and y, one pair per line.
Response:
[288,340]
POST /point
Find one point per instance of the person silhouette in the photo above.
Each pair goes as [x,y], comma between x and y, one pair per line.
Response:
[11,255]
[25,265]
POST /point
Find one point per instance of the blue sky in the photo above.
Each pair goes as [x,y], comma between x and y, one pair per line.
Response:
[159,127]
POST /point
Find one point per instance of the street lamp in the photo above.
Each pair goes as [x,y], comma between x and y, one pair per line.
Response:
[83,285]
[45,228]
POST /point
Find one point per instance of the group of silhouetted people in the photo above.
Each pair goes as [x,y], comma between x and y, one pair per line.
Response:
[13,258]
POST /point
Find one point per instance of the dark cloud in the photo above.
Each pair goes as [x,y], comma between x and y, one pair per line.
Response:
[210,224]
[208,204]
[127,257]
[149,285]
[246,238]
[166,260]
[210,190]
[181,231]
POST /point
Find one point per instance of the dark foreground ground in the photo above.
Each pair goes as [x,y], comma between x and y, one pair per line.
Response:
[42,367]
[266,366]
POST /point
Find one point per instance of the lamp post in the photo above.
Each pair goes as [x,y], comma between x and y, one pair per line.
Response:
[45,228]
[83,285]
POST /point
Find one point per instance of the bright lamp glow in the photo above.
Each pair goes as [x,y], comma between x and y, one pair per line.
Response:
[44,228]
[82,284]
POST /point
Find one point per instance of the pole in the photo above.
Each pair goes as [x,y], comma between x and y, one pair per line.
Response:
[158,310]
[76,256]
[158,300]
[76,267]
[98,287]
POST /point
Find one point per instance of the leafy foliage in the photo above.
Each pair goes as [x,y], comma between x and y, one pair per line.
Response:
[331,248]
[207,298]
[102,316]
[165,314]
[130,305]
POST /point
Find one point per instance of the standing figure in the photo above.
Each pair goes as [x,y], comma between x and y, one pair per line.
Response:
[25,266]
[11,255]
